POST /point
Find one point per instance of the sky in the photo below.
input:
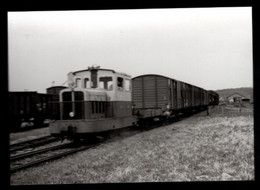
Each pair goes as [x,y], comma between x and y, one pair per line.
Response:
[207,47]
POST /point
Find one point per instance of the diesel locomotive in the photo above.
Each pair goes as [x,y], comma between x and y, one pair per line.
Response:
[99,100]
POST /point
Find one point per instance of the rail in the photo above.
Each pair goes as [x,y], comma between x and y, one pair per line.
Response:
[50,158]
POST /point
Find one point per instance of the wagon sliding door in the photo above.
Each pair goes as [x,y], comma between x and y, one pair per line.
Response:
[173,94]
[150,91]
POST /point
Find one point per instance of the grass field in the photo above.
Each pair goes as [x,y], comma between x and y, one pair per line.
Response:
[218,147]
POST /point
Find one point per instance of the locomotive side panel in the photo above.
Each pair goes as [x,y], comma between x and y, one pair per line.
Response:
[122,108]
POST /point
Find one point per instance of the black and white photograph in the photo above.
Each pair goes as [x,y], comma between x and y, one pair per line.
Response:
[130,96]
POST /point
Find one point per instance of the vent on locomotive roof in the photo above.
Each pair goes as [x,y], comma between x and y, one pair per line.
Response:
[93,75]
[94,78]
[93,67]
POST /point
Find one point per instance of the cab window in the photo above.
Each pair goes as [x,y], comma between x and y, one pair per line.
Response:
[78,82]
[120,81]
[86,83]
[106,83]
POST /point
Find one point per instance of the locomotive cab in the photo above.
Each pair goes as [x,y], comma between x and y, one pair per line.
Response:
[97,100]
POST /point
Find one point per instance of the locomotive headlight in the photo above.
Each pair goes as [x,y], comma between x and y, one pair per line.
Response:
[72,114]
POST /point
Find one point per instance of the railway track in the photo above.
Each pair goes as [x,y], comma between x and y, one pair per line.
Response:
[33,153]
[23,161]
[36,157]
[32,143]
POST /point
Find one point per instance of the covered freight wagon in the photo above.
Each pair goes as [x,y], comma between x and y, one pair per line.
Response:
[27,106]
[152,95]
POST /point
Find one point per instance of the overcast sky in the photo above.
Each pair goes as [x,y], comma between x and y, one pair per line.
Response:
[206,47]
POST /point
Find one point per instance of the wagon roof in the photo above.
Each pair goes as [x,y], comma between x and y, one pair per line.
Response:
[151,75]
[23,92]
[56,87]
[166,78]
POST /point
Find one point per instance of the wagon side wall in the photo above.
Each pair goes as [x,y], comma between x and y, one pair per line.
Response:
[22,103]
[151,91]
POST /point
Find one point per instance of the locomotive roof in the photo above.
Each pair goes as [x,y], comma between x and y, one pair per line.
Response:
[89,69]
[99,69]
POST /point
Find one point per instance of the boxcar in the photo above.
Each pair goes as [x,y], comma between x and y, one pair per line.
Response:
[153,95]
[27,106]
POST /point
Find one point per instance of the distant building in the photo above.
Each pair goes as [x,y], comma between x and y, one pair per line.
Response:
[236,97]
[245,100]
[221,100]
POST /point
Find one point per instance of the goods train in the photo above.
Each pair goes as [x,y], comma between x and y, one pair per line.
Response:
[99,100]
[32,107]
